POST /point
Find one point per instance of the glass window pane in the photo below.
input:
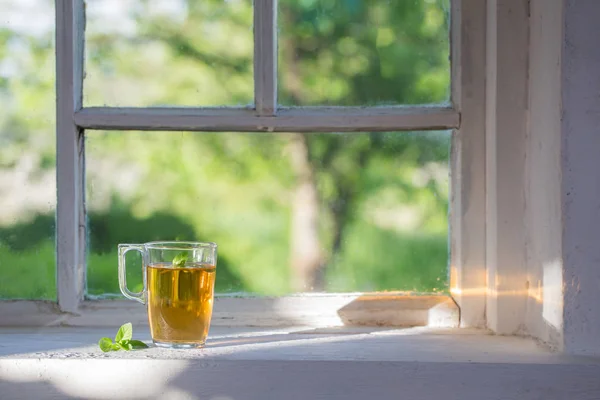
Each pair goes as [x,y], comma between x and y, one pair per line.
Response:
[354,53]
[27,150]
[290,212]
[168,52]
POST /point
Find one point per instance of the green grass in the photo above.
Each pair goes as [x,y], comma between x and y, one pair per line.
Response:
[28,274]
[375,259]
[372,259]
[103,277]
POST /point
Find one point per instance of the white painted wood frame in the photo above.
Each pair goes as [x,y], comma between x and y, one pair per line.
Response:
[468,162]
[467,202]
[265,57]
[70,174]
[507,122]
[298,119]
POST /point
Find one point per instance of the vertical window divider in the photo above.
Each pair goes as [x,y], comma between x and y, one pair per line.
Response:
[265,57]
[70,173]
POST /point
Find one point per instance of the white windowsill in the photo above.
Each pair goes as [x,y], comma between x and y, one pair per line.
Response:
[315,310]
[293,363]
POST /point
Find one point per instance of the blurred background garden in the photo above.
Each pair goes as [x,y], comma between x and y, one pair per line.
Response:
[290,212]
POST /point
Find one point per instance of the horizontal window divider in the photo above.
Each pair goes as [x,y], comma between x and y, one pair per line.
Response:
[293,119]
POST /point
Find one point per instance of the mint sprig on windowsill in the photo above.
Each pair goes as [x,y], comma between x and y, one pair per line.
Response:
[123,340]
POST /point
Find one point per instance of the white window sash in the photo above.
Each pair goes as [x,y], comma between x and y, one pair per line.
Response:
[464,115]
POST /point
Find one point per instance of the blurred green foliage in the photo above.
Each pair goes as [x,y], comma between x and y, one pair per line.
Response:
[382,197]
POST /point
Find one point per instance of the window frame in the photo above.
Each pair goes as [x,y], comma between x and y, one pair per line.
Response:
[465,115]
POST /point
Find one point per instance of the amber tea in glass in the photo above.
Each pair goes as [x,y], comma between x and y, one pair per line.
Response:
[179,280]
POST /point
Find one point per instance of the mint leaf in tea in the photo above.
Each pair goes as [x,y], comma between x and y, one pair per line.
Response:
[180,260]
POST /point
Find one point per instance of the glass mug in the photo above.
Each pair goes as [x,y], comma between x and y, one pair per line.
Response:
[179,281]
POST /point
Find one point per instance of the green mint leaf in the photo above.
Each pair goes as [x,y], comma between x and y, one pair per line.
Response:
[125,332]
[138,344]
[180,259]
[105,344]
[122,341]
[125,345]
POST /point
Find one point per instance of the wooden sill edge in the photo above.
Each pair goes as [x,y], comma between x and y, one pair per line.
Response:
[368,309]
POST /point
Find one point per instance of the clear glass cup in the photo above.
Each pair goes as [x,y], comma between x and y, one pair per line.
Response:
[179,281]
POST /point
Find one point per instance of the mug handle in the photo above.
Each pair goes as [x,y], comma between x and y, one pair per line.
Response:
[123,249]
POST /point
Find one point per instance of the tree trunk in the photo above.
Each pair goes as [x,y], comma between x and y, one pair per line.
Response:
[307,259]
[339,212]
[306,255]
[341,208]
